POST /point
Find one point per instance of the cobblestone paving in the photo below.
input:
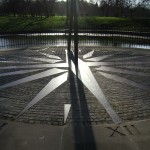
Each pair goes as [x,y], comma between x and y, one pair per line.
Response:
[129,102]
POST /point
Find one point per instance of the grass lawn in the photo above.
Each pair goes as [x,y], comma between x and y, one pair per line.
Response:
[113,22]
[10,23]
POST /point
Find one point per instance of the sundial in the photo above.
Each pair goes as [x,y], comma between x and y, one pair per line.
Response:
[85,85]
[36,65]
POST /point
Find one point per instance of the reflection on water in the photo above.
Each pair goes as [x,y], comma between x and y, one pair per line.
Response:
[16,41]
[135,46]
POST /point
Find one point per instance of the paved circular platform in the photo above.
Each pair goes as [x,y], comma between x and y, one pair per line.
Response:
[37,85]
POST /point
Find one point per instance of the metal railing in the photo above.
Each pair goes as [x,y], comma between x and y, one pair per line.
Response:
[97,36]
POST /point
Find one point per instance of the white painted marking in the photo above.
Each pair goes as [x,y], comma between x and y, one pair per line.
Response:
[33,77]
[18,72]
[43,59]
[112,69]
[87,78]
[50,56]
[66,111]
[124,80]
[88,54]
[52,85]
[98,58]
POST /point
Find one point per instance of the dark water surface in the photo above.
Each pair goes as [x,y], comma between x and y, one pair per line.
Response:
[15,41]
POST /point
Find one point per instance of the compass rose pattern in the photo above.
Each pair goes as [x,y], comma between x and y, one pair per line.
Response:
[56,68]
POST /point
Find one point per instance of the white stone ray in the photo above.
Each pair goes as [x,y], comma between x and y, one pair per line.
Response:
[125,58]
[87,78]
[124,80]
[38,49]
[111,69]
[66,51]
[115,63]
[50,56]
[98,58]
[88,54]
[19,62]
[137,67]
[59,65]
[52,85]
[66,111]
[44,60]
[33,77]
[43,49]
[18,72]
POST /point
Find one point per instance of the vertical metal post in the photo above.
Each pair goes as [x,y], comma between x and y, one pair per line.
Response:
[72,22]
[76,31]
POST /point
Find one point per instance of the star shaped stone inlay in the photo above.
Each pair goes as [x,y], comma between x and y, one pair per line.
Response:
[54,66]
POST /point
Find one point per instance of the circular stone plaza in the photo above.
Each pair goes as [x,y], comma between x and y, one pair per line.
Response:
[49,103]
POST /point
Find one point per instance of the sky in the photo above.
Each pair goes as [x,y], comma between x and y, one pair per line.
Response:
[89,0]
[84,0]
[98,0]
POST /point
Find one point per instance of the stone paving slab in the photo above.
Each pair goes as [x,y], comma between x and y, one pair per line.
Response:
[27,136]
[23,136]
[126,90]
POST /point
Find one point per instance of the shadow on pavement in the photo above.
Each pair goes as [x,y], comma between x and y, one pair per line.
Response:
[82,133]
